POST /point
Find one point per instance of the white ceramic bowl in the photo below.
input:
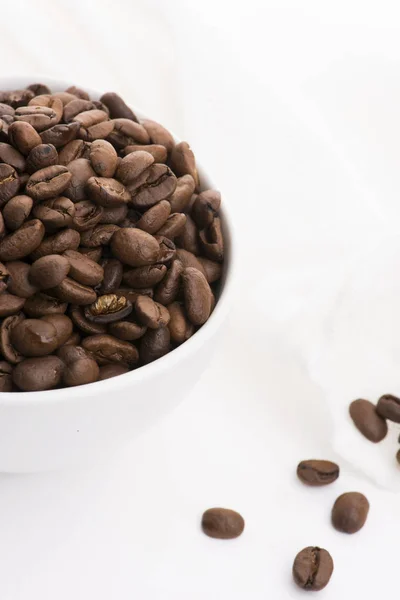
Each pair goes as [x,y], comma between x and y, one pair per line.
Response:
[58,428]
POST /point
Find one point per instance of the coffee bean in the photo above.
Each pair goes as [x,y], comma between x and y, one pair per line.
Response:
[20,284]
[111,371]
[188,238]
[48,182]
[183,161]
[159,153]
[5,278]
[40,157]
[367,420]
[113,271]
[212,241]
[83,269]
[40,117]
[198,296]
[89,122]
[23,241]
[73,150]
[63,326]
[73,340]
[76,91]
[6,348]
[127,330]
[80,367]
[61,134]
[54,214]
[132,295]
[398,456]
[317,472]
[103,158]
[158,134]
[108,309]
[12,157]
[143,277]
[156,183]
[167,249]
[212,269]
[81,171]
[107,192]
[75,107]
[114,214]
[133,247]
[222,523]
[117,107]
[180,199]
[179,326]
[40,305]
[133,166]
[49,271]
[312,568]
[16,211]
[5,109]
[151,314]
[173,226]
[23,136]
[93,253]
[154,344]
[65,97]
[189,260]
[87,215]
[98,236]
[5,377]
[126,133]
[108,349]
[72,291]
[19,97]
[167,291]
[38,88]
[66,239]
[89,327]
[155,217]
[9,183]
[49,101]
[36,374]
[350,512]
[388,406]
[34,337]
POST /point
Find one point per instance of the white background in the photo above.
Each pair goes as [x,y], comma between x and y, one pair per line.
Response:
[293,107]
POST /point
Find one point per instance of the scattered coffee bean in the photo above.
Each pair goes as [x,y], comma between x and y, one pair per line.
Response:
[367,420]
[317,472]
[222,523]
[388,407]
[350,512]
[312,568]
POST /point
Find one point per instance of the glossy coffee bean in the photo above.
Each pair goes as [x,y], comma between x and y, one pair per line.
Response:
[20,284]
[80,367]
[188,238]
[12,157]
[107,192]
[10,304]
[212,241]
[72,291]
[198,296]
[17,211]
[157,183]
[40,157]
[205,208]
[154,344]
[133,247]
[127,330]
[388,406]
[81,171]
[23,241]
[212,269]
[66,239]
[55,213]
[154,218]
[49,271]
[367,420]
[63,326]
[183,162]
[6,347]
[350,512]
[132,295]
[88,327]
[112,371]
[41,304]
[6,377]
[167,249]
[180,328]
[158,134]
[222,523]
[48,182]
[37,374]
[143,277]
[117,107]
[87,215]
[73,340]
[126,133]
[317,472]
[61,134]
[23,137]
[151,314]
[83,269]
[159,153]
[133,166]
[100,235]
[103,158]
[312,568]
[73,150]
[184,190]
[167,291]
[9,183]
[113,271]
[173,226]
[108,349]
[34,337]
[189,260]
[108,309]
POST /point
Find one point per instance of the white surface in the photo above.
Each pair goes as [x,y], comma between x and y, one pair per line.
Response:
[299,102]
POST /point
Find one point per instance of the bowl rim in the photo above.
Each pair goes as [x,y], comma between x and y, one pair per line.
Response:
[173,358]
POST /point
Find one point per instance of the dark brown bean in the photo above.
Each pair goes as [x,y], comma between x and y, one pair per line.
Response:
[23,137]
[167,291]
[154,344]
[80,367]
[179,326]
[84,325]
[10,304]
[180,199]
[87,215]
[198,296]
[99,131]
[350,512]
[22,242]
[39,88]
[312,568]
[40,305]
[87,119]
[79,92]
[183,162]
[83,269]
[158,134]
[20,284]
[112,371]
[108,309]
[40,157]
[66,239]
[133,165]
[103,158]
[188,238]
[107,192]
[60,135]
[222,523]
[5,377]
[75,107]
[173,226]
[159,153]
[73,340]
[65,97]
[34,337]
[133,295]
[63,326]
[9,183]
[73,150]
[49,271]
[4,278]
[98,236]
[81,171]
[212,269]
[114,215]
[156,183]
[367,420]
[127,133]
[72,291]
[40,117]
[93,253]
[117,107]
[150,313]
[36,374]
[155,217]
[212,241]
[5,109]
[16,211]
[317,472]
[167,249]
[189,260]
[54,214]
[133,247]
[7,349]
[127,330]
[108,349]
[113,271]
[143,277]
[48,182]
[12,157]
[388,406]
[49,101]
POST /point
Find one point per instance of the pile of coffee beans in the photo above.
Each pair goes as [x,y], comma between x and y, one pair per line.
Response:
[110,253]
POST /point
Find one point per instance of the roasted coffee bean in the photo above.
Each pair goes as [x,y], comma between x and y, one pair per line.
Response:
[150,313]
[23,241]
[5,377]
[179,326]
[10,304]
[117,107]
[167,249]
[222,523]
[127,330]
[16,211]
[167,291]
[54,214]
[154,344]
[97,132]
[75,107]
[173,226]
[107,192]
[189,260]
[93,253]
[12,157]
[87,215]
[94,124]
[19,97]
[133,247]
[367,420]
[6,109]
[40,157]
[83,269]
[108,309]
[212,269]
[108,349]
[34,337]
[350,512]
[103,158]
[81,171]
[9,183]
[61,134]
[212,241]
[66,239]
[98,236]
[317,472]
[158,134]
[7,349]
[133,165]
[80,367]
[155,217]
[183,162]
[37,374]
[180,199]
[132,295]
[20,284]
[89,327]
[73,150]
[188,238]
[312,568]
[40,117]
[79,92]
[23,137]
[159,153]
[112,278]
[111,371]
[40,305]
[197,294]
[73,340]
[39,88]
[72,291]
[63,326]
[388,406]
[48,271]
[114,215]
[65,97]
[126,133]
[49,101]
[48,182]
[156,183]
[143,277]
[4,278]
